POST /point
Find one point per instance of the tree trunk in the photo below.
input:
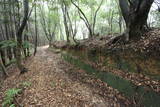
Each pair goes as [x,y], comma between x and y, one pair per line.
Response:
[135,13]
[19,37]
[2,51]
[64,11]
[3,56]
[95,16]
[28,51]
[3,68]
[84,18]
[36,31]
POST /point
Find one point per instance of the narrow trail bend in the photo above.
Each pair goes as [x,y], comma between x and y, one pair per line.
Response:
[54,83]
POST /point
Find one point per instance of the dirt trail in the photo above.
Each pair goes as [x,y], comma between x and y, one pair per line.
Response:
[55,83]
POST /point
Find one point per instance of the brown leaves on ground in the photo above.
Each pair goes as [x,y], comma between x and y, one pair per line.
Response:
[148,43]
[55,83]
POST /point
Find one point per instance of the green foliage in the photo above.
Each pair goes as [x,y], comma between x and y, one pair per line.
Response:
[9,97]
[26,44]
[154,19]
[53,84]
[12,105]
[90,3]
[12,44]
[26,84]
[8,43]
[66,2]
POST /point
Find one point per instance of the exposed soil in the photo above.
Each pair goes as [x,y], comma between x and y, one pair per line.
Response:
[136,78]
[55,83]
[149,45]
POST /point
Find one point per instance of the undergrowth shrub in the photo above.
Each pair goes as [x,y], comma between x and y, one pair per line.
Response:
[10,96]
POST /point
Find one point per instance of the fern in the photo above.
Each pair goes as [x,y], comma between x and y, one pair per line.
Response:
[13,43]
[12,105]
[8,43]
[9,97]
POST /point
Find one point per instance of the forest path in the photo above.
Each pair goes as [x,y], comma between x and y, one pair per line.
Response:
[54,85]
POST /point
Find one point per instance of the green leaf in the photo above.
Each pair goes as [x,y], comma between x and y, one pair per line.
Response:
[9,97]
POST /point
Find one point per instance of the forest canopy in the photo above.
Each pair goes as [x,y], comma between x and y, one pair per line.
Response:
[33,23]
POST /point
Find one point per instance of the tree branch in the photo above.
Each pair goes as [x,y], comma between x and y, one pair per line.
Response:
[95,16]
[85,18]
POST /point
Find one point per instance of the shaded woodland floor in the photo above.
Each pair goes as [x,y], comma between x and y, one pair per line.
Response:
[55,83]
